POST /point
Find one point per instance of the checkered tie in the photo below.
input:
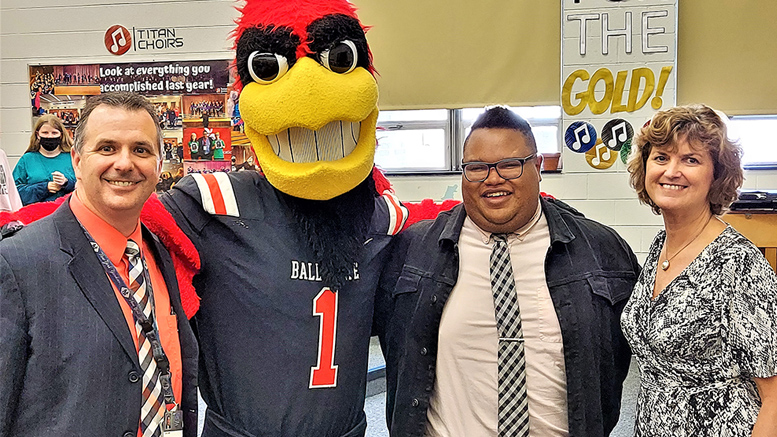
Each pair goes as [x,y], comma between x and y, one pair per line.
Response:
[513,403]
[152,408]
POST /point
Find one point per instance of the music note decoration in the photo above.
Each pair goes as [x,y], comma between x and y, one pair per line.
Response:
[616,133]
[580,136]
[118,40]
[600,156]
[625,151]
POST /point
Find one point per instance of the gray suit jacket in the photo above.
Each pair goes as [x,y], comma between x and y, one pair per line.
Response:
[68,365]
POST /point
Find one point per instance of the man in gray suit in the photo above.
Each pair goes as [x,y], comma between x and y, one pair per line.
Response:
[93,338]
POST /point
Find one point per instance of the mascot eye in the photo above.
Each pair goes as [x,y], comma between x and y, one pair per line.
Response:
[341,58]
[266,68]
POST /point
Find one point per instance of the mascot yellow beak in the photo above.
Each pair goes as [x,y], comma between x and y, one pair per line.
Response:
[313,130]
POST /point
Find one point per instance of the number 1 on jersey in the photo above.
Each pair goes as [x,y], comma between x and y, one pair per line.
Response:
[325,373]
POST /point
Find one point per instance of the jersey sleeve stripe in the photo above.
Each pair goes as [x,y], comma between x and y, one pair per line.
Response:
[228,193]
[207,200]
[397,213]
[215,194]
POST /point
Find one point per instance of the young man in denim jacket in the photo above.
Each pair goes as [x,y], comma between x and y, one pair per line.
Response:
[437,313]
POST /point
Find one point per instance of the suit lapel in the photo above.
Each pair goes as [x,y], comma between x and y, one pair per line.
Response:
[90,277]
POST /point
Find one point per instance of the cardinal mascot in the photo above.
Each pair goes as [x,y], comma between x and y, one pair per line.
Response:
[289,258]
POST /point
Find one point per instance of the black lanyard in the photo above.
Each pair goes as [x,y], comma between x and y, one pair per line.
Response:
[148,326]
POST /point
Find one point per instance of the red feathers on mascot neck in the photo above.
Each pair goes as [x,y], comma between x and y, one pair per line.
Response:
[294,14]
[381,183]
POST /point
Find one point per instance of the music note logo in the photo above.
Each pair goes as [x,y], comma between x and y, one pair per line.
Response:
[616,133]
[602,154]
[118,40]
[601,157]
[121,40]
[579,140]
[580,136]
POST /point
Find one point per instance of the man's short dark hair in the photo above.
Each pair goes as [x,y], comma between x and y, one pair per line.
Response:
[119,99]
[502,117]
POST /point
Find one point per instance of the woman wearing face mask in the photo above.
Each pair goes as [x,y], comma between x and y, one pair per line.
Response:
[45,171]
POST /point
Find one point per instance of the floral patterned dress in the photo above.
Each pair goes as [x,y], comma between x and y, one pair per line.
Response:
[703,339]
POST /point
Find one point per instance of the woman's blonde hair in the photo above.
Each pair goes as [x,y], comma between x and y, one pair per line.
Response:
[56,123]
[699,125]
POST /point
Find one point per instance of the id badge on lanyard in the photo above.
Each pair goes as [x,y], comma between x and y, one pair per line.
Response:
[172,423]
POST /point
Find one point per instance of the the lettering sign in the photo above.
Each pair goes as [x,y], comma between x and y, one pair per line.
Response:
[157,39]
[119,40]
[642,85]
[191,77]
[618,68]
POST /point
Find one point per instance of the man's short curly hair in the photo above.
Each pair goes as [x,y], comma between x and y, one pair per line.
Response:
[701,126]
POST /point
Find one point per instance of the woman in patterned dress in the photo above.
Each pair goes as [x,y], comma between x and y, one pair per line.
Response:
[702,320]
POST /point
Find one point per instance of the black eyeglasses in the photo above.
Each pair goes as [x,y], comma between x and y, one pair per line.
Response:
[510,168]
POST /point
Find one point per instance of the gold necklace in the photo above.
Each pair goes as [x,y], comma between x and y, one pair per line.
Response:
[665,264]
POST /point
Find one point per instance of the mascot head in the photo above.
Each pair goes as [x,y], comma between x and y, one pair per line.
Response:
[309,98]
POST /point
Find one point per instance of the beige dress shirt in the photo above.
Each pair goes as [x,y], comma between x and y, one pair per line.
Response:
[464,400]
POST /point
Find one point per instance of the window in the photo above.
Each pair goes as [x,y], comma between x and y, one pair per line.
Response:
[411,141]
[430,141]
[756,136]
[544,121]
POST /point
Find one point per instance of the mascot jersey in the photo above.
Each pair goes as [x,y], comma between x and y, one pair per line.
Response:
[281,353]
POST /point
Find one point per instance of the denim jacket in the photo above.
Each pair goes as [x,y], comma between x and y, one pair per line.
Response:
[590,272]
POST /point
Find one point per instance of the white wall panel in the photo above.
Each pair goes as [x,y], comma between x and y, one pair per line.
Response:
[100,17]
[17,117]
[631,212]
[16,141]
[599,210]
[15,120]
[42,47]
[48,4]
[565,186]
[609,186]
[15,95]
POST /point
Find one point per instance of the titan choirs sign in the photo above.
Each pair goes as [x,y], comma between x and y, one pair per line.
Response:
[118,39]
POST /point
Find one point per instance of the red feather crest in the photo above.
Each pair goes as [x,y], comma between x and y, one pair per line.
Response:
[294,14]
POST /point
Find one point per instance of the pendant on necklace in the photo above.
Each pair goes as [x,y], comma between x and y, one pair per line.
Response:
[665,264]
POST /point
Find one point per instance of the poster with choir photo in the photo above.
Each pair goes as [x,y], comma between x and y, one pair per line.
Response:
[209,105]
[207,144]
[51,84]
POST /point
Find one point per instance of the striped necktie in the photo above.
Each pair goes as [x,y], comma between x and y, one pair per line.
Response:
[513,403]
[152,407]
